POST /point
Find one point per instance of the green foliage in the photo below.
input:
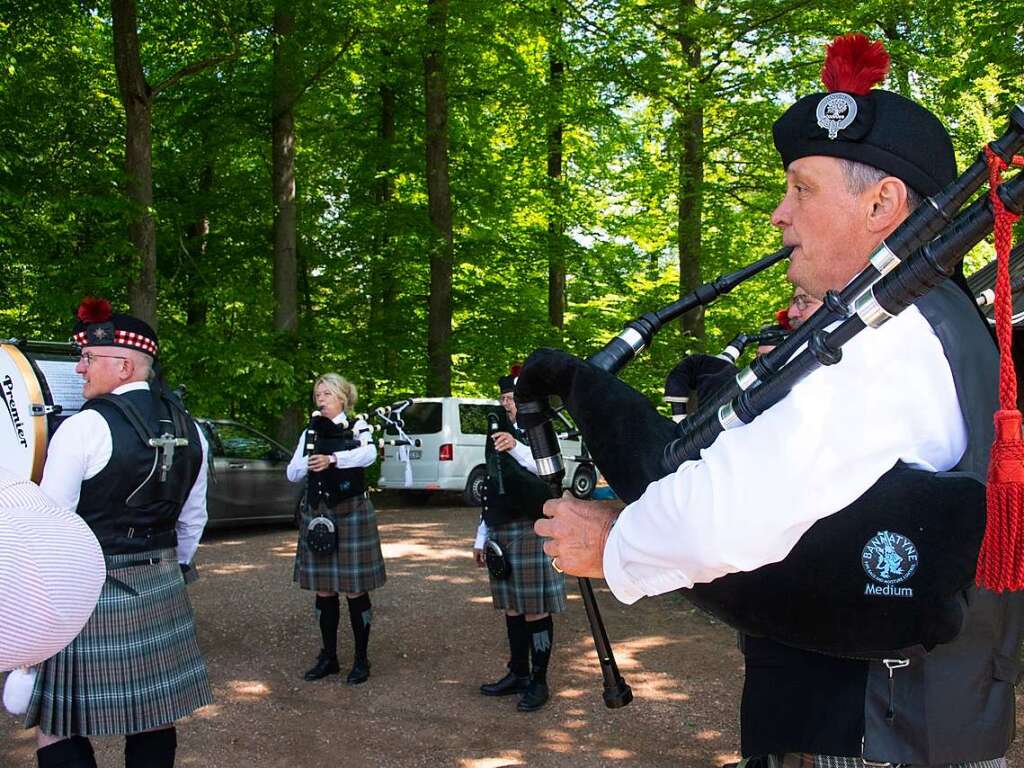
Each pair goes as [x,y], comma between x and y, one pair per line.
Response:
[362,251]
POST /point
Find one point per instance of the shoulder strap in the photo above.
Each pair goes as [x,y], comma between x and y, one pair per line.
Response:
[129,411]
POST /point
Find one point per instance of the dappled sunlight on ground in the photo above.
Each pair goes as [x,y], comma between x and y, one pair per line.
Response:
[507,759]
[617,754]
[248,690]
[230,569]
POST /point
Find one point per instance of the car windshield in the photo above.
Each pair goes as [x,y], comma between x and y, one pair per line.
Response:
[420,419]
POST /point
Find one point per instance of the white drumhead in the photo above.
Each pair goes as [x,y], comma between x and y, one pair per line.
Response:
[23,429]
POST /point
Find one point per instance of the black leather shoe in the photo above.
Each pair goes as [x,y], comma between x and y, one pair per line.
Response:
[536,696]
[325,665]
[509,684]
[360,672]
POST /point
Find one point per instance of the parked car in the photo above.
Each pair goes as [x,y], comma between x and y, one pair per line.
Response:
[247,481]
[450,453]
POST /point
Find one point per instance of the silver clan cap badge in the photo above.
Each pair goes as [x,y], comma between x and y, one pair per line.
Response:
[835,112]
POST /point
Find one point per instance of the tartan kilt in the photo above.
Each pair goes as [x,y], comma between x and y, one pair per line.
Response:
[357,565]
[136,664]
[533,585]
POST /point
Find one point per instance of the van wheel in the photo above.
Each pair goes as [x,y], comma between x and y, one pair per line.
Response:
[299,505]
[473,496]
[583,482]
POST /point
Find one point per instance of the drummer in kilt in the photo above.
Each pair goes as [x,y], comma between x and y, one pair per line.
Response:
[339,545]
[523,583]
[136,667]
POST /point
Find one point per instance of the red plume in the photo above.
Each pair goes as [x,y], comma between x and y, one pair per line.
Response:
[853,64]
[782,318]
[93,310]
[514,370]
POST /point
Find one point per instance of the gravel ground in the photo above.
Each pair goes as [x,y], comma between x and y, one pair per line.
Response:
[435,639]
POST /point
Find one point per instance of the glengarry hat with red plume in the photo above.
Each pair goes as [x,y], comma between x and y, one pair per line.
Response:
[855,121]
[99,326]
[508,383]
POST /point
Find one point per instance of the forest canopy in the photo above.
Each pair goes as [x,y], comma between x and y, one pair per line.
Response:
[418,193]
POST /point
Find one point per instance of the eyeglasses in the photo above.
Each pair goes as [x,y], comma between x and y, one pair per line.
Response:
[88,357]
[801,301]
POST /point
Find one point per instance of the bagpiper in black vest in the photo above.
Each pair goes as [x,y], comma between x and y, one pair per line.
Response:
[127,505]
[333,485]
[520,494]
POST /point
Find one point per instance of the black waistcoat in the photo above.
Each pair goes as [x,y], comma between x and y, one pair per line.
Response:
[126,505]
[520,495]
[954,705]
[333,485]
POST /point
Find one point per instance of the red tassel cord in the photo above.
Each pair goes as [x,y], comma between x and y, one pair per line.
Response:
[1001,559]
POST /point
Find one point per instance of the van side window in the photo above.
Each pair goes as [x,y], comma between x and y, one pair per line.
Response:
[420,419]
[473,418]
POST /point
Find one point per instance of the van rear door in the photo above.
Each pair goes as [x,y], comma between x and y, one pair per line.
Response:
[422,420]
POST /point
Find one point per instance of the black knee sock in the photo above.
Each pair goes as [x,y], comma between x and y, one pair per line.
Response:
[152,749]
[360,613]
[75,752]
[542,637]
[329,609]
[518,644]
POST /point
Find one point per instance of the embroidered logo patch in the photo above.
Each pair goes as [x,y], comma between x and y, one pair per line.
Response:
[889,559]
[835,112]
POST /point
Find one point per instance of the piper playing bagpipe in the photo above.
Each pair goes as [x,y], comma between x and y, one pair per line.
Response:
[843,521]
[523,583]
[339,545]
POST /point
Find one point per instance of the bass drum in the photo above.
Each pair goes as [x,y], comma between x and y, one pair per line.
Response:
[29,414]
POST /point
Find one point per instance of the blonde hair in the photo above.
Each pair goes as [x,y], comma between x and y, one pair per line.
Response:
[339,386]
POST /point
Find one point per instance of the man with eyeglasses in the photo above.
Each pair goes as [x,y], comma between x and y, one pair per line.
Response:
[133,465]
[801,306]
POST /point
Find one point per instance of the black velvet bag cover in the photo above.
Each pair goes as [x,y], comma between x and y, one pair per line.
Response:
[884,575]
[700,375]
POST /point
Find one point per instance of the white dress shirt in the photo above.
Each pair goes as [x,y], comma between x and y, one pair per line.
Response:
[752,495]
[81,448]
[524,458]
[363,456]
[51,574]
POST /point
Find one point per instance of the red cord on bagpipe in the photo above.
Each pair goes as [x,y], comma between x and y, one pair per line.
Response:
[1001,559]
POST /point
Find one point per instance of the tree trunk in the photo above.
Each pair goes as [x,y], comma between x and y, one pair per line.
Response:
[136,97]
[286,291]
[283,131]
[385,283]
[439,203]
[556,222]
[689,126]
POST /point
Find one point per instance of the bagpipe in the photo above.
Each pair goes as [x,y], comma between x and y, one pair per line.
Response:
[803,601]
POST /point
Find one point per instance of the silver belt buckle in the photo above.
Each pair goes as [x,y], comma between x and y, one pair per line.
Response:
[873,764]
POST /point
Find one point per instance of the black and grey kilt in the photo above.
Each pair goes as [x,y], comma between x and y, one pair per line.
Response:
[824,761]
[135,666]
[533,586]
[357,565]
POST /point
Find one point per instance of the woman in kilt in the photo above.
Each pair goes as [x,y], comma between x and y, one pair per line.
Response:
[339,545]
[531,590]
[135,668]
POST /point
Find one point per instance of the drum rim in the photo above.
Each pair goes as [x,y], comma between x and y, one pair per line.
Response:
[36,398]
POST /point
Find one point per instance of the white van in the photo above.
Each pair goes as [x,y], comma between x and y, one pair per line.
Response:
[450,455]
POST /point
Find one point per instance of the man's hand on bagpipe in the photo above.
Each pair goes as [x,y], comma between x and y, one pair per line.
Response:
[575,533]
